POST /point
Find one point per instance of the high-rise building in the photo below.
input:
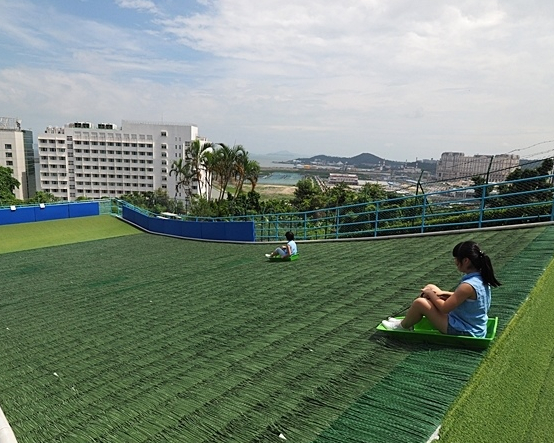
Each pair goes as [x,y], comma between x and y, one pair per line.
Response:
[16,153]
[454,165]
[82,159]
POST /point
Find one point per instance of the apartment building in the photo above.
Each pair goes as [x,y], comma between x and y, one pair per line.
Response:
[348,179]
[16,152]
[83,159]
[453,165]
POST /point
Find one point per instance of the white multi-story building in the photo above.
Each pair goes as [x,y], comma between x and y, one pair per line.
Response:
[454,165]
[348,179]
[16,153]
[82,159]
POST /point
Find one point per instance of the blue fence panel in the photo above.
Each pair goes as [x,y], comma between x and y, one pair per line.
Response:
[51,212]
[240,231]
[135,217]
[156,224]
[84,209]
[191,229]
[230,231]
[48,211]
[173,227]
[20,215]
[213,230]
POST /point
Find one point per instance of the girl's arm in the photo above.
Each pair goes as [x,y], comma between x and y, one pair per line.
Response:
[289,252]
[453,300]
[434,288]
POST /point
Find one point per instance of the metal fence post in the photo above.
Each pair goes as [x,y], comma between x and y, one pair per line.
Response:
[482,206]
[423,206]
[376,218]
[337,222]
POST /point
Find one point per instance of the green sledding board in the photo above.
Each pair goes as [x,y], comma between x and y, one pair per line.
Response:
[278,258]
[424,331]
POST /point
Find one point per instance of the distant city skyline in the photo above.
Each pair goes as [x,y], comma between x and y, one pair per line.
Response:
[397,79]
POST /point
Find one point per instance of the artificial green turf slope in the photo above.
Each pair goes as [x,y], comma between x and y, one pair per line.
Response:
[149,338]
[24,236]
[510,397]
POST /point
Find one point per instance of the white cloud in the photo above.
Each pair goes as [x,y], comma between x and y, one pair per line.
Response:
[140,5]
[392,77]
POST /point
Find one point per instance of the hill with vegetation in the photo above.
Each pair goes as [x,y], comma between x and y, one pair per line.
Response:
[364,160]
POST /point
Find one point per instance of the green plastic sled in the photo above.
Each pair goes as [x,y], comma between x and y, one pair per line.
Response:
[278,258]
[424,331]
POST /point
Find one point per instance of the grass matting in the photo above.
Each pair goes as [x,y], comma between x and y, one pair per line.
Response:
[145,338]
[23,236]
[511,396]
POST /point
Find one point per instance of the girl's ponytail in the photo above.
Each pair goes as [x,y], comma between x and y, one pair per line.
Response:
[480,260]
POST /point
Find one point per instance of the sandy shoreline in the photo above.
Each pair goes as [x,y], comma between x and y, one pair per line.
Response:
[276,191]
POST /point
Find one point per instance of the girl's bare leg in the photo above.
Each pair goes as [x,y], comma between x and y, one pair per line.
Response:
[423,307]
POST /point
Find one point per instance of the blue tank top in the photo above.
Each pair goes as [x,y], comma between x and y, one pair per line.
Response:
[293,247]
[471,316]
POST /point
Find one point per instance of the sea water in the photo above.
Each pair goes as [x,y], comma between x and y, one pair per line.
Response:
[279,178]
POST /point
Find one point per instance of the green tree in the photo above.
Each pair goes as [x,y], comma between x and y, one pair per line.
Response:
[307,195]
[44,197]
[371,192]
[198,158]
[241,163]
[183,175]
[225,165]
[252,173]
[526,182]
[479,180]
[340,195]
[8,184]
[157,201]
[210,163]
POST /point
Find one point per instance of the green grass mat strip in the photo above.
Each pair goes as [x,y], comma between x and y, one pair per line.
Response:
[23,236]
[510,396]
[146,338]
[410,403]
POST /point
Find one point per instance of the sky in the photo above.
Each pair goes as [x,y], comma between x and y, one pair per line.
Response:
[400,79]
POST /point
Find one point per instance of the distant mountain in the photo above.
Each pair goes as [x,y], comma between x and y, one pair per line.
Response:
[360,159]
[287,154]
[366,160]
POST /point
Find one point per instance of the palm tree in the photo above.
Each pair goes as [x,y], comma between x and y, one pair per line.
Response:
[183,176]
[241,163]
[252,173]
[198,151]
[210,163]
[226,165]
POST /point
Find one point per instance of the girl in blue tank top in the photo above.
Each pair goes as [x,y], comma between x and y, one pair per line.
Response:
[464,311]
